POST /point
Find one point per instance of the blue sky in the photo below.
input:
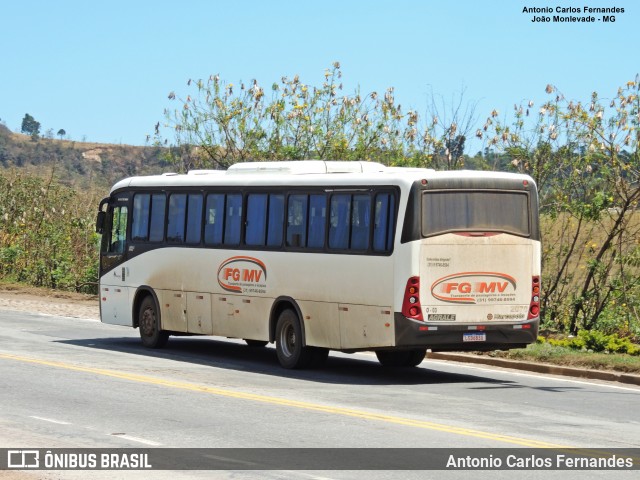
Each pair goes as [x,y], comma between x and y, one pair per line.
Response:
[102,70]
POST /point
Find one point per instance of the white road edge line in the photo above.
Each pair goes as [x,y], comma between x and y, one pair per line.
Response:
[541,375]
[59,422]
[136,439]
[507,370]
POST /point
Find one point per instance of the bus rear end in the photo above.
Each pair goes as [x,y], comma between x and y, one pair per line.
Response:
[476,284]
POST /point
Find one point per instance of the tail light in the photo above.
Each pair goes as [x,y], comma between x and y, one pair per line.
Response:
[411,304]
[534,306]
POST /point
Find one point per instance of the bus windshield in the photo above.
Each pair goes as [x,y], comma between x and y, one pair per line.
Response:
[455,210]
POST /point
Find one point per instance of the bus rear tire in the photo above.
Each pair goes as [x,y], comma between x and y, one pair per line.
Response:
[403,358]
[149,325]
[289,348]
[256,343]
[416,357]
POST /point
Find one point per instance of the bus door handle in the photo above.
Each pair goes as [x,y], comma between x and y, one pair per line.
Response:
[121,274]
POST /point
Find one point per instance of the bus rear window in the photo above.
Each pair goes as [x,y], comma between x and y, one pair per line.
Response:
[475,211]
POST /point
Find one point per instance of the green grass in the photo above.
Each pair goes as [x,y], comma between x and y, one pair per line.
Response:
[563,356]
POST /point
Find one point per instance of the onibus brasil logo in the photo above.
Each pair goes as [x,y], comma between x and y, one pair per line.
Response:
[470,287]
[242,274]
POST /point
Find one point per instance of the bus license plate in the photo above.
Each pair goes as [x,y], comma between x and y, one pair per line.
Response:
[474,337]
[442,317]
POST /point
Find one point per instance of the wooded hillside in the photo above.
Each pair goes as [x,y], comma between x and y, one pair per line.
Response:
[78,163]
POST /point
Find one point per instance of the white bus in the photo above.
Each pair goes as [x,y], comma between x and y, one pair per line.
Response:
[318,256]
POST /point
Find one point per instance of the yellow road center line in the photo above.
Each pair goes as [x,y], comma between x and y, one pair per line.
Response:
[289,403]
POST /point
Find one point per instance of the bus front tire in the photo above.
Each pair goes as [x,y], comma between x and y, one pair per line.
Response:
[289,348]
[149,325]
[403,358]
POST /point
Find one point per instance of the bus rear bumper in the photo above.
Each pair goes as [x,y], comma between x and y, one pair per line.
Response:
[464,337]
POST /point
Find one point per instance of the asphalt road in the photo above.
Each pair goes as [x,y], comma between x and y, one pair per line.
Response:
[71,383]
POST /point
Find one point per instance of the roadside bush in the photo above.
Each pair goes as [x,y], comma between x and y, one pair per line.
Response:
[46,234]
[595,341]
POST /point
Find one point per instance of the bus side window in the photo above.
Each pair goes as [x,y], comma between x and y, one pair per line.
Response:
[360,222]
[275,226]
[140,220]
[214,219]
[156,227]
[297,221]
[317,220]
[340,221]
[233,219]
[256,219]
[383,222]
[194,218]
[118,230]
[176,218]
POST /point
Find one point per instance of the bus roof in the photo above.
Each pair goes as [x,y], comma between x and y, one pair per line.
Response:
[308,172]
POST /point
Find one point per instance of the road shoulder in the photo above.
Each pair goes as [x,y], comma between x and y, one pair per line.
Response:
[544,368]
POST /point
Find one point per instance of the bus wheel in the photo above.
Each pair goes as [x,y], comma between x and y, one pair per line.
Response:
[403,358]
[150,333]
[291,352]
[416,357]
[256,343]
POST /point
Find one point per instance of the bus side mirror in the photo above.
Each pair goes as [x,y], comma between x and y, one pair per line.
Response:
[100,222]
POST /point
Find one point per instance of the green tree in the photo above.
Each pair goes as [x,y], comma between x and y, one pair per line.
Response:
[61,133]
[586,162]
[220,123]
[30,126]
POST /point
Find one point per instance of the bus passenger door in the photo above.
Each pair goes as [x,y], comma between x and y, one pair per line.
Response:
[114,293]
